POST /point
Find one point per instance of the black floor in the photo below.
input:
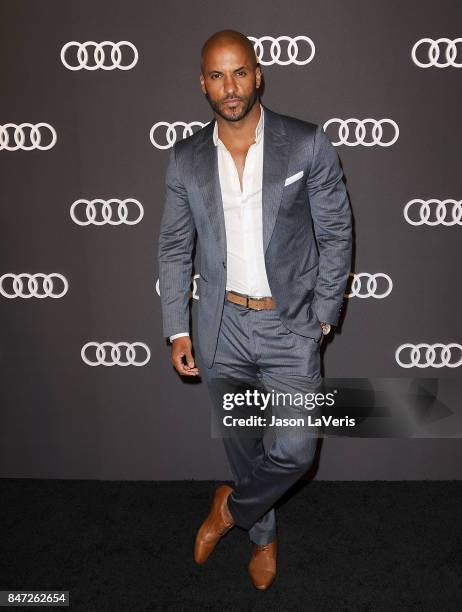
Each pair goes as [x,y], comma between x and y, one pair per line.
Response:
[388,546]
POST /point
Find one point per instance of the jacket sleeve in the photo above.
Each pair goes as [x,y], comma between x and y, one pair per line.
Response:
[176,241]
[332,221]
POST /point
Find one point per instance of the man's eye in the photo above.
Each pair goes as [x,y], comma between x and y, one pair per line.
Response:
[242,73]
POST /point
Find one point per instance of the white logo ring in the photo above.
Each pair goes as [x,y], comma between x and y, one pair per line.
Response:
[360,131]
[115,353]
[32,285]
[434,52]
[20,137]
[171,135]
[441,212]
[430,355]
[106,211]
[275,50]
[371,285]
[99,55]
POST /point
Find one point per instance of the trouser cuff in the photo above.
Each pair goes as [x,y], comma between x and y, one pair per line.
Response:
[239,520]
[265,537]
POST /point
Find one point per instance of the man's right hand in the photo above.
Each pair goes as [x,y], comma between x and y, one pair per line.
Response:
[181,347]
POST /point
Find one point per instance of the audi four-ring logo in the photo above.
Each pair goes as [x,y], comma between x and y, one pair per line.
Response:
[45,288]
[429,355]
[169,132]
[371,286]
[360,132]
[35,133]
[89,209]
[121,353]
[433,52]
[433,212]
[194,293]
[294,55]
[81,55]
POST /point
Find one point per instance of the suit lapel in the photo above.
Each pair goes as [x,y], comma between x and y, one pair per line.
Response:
[208,181]
[275,163]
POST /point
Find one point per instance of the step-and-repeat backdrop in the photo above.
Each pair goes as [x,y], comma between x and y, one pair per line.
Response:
[94,95]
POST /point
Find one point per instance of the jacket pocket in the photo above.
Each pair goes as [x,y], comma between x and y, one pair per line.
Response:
[291,179]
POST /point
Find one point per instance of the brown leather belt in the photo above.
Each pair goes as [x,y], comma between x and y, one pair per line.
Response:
[260,303]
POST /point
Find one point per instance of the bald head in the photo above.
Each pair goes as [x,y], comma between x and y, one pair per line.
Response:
[228,38]
[230,75]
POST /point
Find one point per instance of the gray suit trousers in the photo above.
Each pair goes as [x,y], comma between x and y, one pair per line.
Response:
[255,346]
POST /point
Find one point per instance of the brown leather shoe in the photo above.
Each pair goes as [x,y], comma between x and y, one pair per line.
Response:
[262,566]
[218,522]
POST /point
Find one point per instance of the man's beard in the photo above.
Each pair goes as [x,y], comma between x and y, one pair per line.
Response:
[248,104]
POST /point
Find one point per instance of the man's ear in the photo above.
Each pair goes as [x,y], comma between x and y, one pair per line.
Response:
[201,81]
[258,75]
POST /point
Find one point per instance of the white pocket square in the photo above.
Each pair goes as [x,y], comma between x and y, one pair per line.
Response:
[293,178]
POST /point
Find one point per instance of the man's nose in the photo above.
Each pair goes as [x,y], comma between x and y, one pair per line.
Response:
[229,84]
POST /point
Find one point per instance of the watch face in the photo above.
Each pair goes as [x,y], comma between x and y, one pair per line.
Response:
[326,329]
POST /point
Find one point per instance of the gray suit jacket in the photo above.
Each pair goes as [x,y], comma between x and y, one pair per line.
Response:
[307,276]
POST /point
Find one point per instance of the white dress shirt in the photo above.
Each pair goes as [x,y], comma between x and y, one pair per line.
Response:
[245,266]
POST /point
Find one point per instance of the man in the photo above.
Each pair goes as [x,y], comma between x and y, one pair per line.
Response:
[261,190]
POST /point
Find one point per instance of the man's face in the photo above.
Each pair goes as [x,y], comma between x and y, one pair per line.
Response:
[229,80]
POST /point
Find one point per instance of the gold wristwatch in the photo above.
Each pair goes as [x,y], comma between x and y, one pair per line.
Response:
[326,327]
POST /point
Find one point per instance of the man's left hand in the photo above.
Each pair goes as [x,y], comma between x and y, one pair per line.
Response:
[322,323]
